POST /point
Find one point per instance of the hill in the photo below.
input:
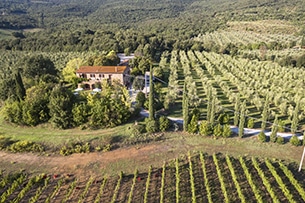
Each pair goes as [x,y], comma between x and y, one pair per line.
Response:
[74,25]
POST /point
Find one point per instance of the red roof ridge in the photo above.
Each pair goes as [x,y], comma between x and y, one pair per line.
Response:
[102,69]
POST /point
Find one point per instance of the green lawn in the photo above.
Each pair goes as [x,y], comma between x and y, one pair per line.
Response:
[56,137]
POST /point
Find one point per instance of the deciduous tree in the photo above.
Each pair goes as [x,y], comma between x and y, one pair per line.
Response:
[60,105]
[69,73]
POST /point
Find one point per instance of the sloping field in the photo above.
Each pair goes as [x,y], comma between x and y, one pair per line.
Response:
[264,26]
[196,177]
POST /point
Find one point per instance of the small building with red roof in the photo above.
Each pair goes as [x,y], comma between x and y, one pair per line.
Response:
[95,74]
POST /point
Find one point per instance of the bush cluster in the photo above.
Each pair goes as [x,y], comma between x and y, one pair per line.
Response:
[262,136]
[280,140]
[294,140]
[25,146]
[75,148]
[218,130]
[137,133]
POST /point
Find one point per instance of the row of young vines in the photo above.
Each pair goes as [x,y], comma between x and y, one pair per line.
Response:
[195,177]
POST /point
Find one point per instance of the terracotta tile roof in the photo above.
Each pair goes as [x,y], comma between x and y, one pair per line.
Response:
[102,69]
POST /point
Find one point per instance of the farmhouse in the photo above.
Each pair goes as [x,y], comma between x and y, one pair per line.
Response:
[95,74]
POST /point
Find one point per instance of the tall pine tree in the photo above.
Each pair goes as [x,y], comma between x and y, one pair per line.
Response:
[151,123]
[151,107]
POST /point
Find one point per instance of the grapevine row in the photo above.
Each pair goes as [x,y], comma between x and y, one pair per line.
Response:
[266,183]
[206,180]
[12,188]
[147,184]
[177,180]
[221,179]
[162,183]
[98,197]
[249,177]
[133,185]
[293,181]
[279,181]
[192,180]
[84,193]
[236,183]
[117,187]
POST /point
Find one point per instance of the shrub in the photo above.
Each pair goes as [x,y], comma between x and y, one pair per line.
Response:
[193,125]
[5,142]
[280,140]
[135,130]
[151,125]
[262,136]
[163,123]
[25,146]
[65,151]
[80,148]
[13,112]
[104,148]
[205,128]
[294,140]
[107,148]
[250,123]
[227,132]
[75,148]
[140,99]
[218,130]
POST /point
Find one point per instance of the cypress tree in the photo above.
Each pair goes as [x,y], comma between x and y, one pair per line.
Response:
[151,123]
[265,113]
[185,108]
[213,109]
[295,119]
[151,107]
[20,90]
[209,105]
[236,110]
[242,120]
[274,130]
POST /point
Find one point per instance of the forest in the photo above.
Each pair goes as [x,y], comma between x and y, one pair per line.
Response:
[126,25]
